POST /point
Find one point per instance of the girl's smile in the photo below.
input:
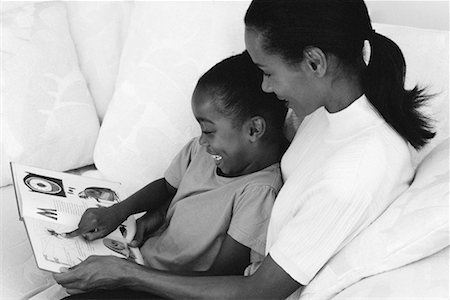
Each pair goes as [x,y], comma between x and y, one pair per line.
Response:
[224,140]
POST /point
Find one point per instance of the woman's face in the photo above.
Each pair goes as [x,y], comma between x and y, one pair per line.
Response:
[290,83]
[226,142]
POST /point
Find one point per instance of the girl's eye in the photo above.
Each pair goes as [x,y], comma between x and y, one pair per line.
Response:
[266,74]
[207,132]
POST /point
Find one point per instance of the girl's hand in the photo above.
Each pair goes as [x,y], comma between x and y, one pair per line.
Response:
[145,226]
[96,223]
[96,272]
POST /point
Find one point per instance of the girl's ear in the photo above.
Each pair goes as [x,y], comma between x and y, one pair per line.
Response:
[316,60]
[256,128]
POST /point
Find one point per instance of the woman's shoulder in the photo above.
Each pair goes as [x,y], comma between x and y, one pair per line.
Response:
[380,144]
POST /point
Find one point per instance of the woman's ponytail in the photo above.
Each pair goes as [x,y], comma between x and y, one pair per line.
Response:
[340,27]
[384,86]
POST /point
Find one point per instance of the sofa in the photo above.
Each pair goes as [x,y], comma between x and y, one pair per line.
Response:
[102,89]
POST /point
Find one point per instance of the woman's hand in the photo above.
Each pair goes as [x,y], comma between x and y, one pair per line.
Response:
[96,223]
[145,226]
[96,272]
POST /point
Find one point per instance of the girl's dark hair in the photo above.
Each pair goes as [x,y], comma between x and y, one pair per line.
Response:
[340,27]
[234,85]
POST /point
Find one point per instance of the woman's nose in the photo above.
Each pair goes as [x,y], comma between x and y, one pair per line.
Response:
[265,85]
[202,140]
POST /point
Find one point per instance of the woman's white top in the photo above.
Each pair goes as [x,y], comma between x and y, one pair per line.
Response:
[341,172]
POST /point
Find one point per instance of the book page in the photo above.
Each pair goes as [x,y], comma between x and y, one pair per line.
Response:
[53,251]
[52,203]
[67,196]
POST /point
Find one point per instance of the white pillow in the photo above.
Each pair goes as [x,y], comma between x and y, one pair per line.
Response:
[427,64]
[169,45]
[427,278]
[415,226]
[98,30]
[47,115]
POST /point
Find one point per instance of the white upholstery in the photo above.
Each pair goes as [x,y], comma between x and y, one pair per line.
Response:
[99,30]
[68,65]
[48,118]
[425,279]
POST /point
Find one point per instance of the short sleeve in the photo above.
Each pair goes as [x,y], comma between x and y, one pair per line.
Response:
[180,163]
[251,215]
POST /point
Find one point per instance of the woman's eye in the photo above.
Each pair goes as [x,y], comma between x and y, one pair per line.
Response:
[207,132]
[266,74]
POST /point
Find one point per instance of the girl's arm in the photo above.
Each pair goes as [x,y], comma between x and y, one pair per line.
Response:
[149,198]
[99,222]
[232,259]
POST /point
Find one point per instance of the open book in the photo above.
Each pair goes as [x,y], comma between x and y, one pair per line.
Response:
[51,204]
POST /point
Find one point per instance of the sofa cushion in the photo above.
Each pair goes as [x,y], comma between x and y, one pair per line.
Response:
[169,45]
[415,226]
[48,118]
[98,30]
[19,276]
[427,278]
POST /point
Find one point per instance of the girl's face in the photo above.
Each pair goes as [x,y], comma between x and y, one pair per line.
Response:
[290,83]
[226,142]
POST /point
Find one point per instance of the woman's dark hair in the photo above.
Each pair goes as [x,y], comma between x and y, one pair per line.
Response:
[340,27]
[234,85]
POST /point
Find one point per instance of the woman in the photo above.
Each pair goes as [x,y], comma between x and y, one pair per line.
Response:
[348,161]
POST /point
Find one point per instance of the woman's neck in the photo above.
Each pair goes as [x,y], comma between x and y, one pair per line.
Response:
[343,89]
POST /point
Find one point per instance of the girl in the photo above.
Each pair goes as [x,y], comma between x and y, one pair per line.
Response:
[210,211]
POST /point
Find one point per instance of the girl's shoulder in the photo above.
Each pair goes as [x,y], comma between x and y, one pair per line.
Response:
[269,177]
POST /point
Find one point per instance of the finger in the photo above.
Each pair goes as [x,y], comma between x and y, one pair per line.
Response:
[134,244]
[72,234]
[81,230]
[94,234]
[88,222]
[74,291]
[66,275]
[138,237]
[64,278]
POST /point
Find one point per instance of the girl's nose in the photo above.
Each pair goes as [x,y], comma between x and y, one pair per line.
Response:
[265,85]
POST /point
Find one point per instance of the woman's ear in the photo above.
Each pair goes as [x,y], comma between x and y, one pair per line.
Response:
[256,128]
[316,60]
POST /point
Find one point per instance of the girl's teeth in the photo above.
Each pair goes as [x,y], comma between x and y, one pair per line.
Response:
[217,157]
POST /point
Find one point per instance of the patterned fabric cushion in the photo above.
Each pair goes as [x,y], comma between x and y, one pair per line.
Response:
[48,118]
[415,226]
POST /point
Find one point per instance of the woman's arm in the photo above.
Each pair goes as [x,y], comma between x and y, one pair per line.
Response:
[270,281]
[106,272]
